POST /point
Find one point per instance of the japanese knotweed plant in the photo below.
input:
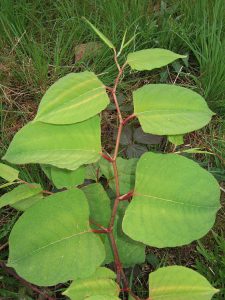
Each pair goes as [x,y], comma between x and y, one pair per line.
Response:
[161,200]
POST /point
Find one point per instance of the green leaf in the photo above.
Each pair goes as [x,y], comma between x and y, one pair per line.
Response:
[149,59]
[21,192]
[66,101]
[47,170]
[92,171]
[67,178]
[165,109]
[99,203]
[100,34]
[99,284]
[130,251]
[195,151]
[126,171]
[179,283]
[103,297]
[176,139]
[8,173]
[28,202]
[63,146]
[58,240]
[175,201]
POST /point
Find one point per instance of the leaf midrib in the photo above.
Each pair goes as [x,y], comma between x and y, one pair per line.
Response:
[48,245]
[173,201]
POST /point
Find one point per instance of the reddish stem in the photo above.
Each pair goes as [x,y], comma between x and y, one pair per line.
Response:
[128,119]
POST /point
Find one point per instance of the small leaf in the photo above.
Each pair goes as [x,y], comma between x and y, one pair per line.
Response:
[66,101]
[63,178]
[176,139]
[195,151]
[149,59]
[181,197]
[100,34]
[146,138]
[21,192]
[135,150]
[58,240]
[179,283]
[165,109]
[126,171]
[63,146]
[99,284]
[8,173]
[99,203]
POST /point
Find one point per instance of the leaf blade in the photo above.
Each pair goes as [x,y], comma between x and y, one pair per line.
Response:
[162,191]
[60,253]
[100,34]
[164,109]
[65,102]
[81,144]
[149,59]
[179,283]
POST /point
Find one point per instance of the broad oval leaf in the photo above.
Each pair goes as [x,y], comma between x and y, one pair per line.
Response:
[67,178]
[63,146]
[165,109]
[149,59]
[24,192]
[101,283]
[73,98]
[175,201]
[56,247]
[8,173]
[179,283]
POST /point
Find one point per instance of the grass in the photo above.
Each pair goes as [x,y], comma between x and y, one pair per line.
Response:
[38,44]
